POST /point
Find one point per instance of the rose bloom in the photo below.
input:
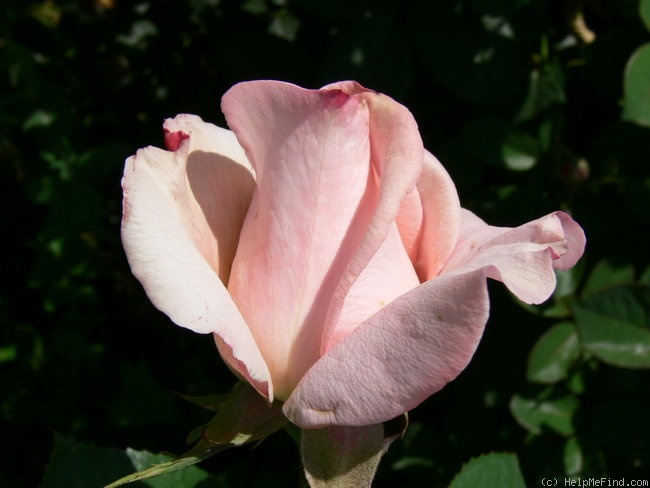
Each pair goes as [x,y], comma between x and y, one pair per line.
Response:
[325,249]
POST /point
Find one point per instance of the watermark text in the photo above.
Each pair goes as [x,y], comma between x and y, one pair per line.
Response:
[588,482]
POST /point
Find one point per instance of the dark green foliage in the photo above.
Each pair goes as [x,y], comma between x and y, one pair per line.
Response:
[532,105]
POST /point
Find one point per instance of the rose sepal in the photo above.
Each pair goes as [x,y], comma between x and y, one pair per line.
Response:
[243,417]
[343,456]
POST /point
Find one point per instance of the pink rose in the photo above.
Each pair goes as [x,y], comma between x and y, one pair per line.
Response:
[325,249]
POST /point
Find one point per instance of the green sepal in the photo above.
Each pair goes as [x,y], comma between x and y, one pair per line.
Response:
[341,456]
[208,402]
[245,416]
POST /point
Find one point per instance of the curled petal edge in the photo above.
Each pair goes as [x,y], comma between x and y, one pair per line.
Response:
[397,358]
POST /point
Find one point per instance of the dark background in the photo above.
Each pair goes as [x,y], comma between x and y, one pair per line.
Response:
[524,103]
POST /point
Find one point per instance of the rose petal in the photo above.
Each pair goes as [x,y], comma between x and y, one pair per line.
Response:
[396,160]
[523,258]
[440,220]
[182,212]
[406,352]
[409,223]
[388,275]
[310,150]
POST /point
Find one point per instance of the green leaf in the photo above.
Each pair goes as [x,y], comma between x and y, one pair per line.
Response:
[39,118]
[645,277]
[155,468]
[614,326]
[77,465]
[644,12]
[554,413]
[284,25]
[568,281]
[490,470]
[573,457]
[244,417]
[519,151]
[607,275]
[576,382]
[553,354]
[545,88]
[636,87]
[495,141]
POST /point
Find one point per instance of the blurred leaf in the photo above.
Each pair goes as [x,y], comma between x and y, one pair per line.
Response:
[411,461]
[553,354]
[607,275]
[573,458]
[614,326]
[496,142]
[8,353]
[568,280]
[555,413]
[138,36]
[39,118]
[636,100]
[644,12]
[576,382]
[545,88]
[284,25]
[47,13]
[255,7]
[519,151]
[645,277]
[490,470]
[77,465]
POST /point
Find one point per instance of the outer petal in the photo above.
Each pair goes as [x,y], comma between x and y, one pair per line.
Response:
[407,351]
[311,152]
[440,220]
[409,222]
[523,258]
[388,275]
[219,187]
[181,210]
[396,161]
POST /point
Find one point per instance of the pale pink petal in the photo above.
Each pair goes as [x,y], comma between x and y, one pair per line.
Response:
[523,258]
[396,161]
[181,210]
[406,352]
[440,221]
[218,188]
[388,275]
[310,150]
[409,222]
